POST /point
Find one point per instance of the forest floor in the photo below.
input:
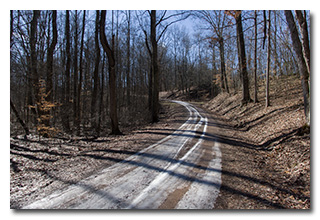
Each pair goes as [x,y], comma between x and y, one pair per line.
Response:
[265,151]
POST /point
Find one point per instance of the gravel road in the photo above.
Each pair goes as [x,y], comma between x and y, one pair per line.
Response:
[181,171]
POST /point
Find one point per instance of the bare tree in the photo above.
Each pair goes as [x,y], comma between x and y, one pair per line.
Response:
[155,67]
[112,75]
[128,15]
[78,115]
[268,61]
[94,116]
[50,56]
[255,57]
[302,20]
[304,73]
[216,20]
[154,38]
[33,58]
[243,61]
[66,118]
[75,69]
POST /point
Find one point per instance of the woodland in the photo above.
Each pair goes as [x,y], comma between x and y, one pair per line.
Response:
[89,88]
[95,72]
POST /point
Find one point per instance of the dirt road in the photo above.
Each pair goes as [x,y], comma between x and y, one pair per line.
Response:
[181,171]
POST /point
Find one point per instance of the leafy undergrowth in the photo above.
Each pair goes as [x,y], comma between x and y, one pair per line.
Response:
[276,131]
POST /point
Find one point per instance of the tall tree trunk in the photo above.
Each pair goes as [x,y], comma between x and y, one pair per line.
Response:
[150,78]
[302,20]
[243,61]
[94,116]
[214,70]
[222,63]
[275,56]
[49,87]
[155,69]
[268,61]
[264,28]
[81,73]
[224,80]
[297,46]
[101,118]
[33,60]
[150,88]
[128,59]
[255,58]
[75,69]
[112,75]
[67,106]
[50,57]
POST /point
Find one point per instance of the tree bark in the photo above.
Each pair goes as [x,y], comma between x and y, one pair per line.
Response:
[224,80]
[67,106]
[275,54]
[243,61]
[268,61]
[94,115]
[304,74]
[214,70]
[264,28]
[75,69]
[112,75]
[155,69]
[79,114]
[128,59]
[255,58]
[50,57]
[304,37]
[49,86]
[33,61]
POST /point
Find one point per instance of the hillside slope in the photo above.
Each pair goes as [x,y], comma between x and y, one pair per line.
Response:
[266,148]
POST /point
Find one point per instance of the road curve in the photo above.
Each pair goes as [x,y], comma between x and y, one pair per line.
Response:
[181,171]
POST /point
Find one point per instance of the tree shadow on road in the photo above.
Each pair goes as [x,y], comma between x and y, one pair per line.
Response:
[223,139]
